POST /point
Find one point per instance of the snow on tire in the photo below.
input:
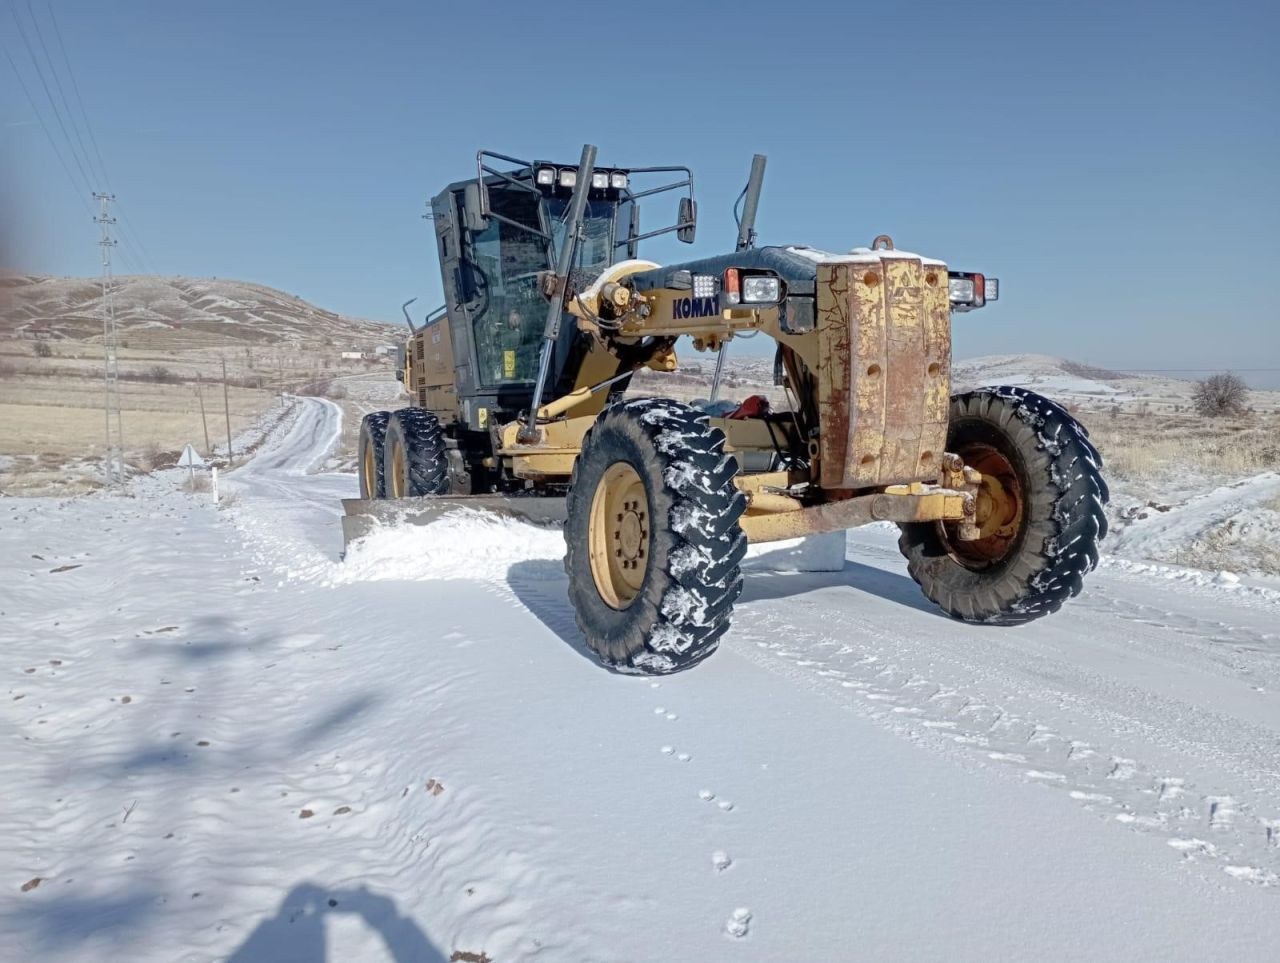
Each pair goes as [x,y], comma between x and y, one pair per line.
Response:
[373,432]
[414,456]
[1061,518]
[652,536]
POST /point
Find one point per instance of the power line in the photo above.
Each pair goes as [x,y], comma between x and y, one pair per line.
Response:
[133,253]
[137,251]
[45,127]
[35,61]
[66,106]
[129,233]
[75,88]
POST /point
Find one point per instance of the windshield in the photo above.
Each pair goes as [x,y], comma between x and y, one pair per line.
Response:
[595,246]
[508,327]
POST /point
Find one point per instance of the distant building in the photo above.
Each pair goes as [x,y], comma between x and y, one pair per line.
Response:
[352,356]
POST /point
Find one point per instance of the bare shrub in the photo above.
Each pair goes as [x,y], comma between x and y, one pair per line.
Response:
[1220,394]
[1088,371]
[162,375]
[149,458]
[42,349]
[322,388]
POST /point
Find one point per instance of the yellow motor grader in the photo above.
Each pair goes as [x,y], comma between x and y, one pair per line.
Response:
[518,403]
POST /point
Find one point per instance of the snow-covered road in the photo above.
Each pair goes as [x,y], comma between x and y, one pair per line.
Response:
[219,740]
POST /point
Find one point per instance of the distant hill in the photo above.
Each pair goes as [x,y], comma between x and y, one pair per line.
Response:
[1082,384]
[177,313]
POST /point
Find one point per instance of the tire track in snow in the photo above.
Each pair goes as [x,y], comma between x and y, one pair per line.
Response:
[1198,823]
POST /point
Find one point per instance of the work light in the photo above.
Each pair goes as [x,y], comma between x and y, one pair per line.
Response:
[961,290]
[568,178]
[618,180]
[968,291]
[546,176]
[761,290]
[600,180]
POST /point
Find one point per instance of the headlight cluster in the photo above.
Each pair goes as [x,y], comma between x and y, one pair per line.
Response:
[968,290]
[752,288]
[568,177]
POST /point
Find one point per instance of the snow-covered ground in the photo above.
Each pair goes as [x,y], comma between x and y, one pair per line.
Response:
[221,741]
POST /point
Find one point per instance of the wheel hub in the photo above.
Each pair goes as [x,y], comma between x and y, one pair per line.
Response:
[630,533]
[396,481]
[370,478]
[1000,509]
[619,535]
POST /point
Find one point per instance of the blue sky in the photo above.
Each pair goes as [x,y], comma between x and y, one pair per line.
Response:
[1114,164]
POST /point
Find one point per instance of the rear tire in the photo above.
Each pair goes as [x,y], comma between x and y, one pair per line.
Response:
[1041,560]
[414,457]
[373,432]
[653,543]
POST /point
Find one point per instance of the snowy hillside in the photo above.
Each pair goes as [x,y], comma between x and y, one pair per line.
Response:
[1086,385]
[222,742]
[181,312]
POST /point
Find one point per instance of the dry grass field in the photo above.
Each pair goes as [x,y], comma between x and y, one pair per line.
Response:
[1169,457]
[52,421]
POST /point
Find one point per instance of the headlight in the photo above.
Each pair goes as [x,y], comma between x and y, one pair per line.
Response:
[969,290]
[618,181]
[568,178]
[761,290]
[546,176]
[961,290]
[704,285]
[600,180]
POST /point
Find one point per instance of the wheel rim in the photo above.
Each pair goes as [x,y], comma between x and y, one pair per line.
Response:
[619,535]
[397,470]
[370,475]
[1000,511]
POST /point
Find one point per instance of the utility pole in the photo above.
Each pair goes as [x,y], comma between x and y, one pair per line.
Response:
[208,452]
[114,463]
[226,408]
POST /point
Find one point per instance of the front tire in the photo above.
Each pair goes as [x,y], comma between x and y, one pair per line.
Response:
[652,536]
[1038,547]
[414,456]
[373,433]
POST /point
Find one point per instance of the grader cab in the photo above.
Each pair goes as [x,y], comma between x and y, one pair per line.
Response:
[519,404]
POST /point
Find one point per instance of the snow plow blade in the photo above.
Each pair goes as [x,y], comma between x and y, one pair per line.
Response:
[363,515]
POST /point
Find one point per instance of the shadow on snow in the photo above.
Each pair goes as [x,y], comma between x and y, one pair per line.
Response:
[541,586]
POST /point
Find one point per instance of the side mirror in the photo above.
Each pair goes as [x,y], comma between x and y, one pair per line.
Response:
[473,216]
[687,218]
